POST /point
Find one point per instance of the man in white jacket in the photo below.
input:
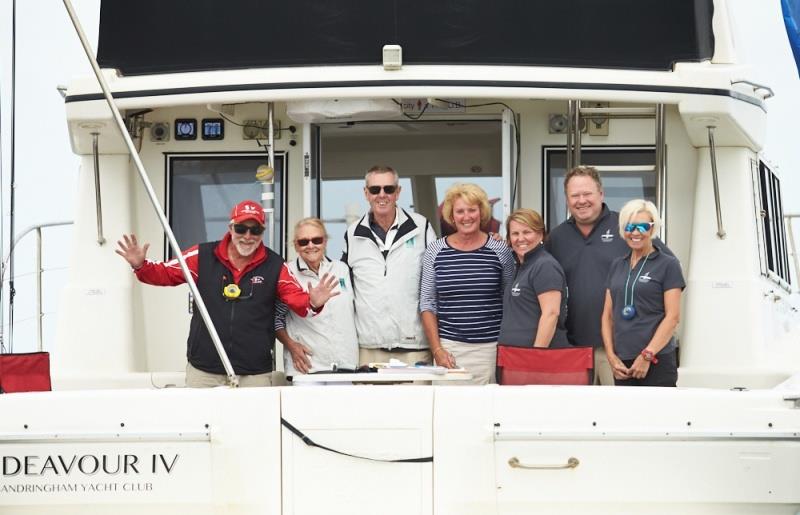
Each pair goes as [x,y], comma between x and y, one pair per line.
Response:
[384,251]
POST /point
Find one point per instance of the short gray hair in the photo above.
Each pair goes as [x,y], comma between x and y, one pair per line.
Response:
[632,208]
[382,169]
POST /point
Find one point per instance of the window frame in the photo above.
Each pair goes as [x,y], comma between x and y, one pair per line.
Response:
[548,150]
[282,200]
[773,250]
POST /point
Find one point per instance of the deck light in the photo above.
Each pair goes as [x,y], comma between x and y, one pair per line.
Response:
[392,57]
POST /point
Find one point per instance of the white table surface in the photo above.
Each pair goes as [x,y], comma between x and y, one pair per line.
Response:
[377,377]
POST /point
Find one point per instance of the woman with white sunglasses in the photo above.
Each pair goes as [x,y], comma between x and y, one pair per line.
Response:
[642,305]
[326,341]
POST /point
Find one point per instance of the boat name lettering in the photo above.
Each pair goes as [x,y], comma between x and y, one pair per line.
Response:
[88,464]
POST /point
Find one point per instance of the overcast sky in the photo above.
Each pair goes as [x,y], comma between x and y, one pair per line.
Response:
[49,54]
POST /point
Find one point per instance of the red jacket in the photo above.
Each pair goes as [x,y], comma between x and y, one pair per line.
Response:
[160,273]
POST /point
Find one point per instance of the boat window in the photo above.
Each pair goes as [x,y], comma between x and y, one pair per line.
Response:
[769,205]
[627,173]
[202,189]
[430,156]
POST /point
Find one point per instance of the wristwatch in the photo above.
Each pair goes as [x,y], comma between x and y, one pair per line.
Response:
[649,356]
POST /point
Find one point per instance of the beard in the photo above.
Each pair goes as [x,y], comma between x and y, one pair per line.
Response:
[245,250]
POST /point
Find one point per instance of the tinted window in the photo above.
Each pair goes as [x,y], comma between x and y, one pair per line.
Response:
[202,189]
[619,185]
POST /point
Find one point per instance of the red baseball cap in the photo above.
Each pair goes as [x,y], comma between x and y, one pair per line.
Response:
[247,210]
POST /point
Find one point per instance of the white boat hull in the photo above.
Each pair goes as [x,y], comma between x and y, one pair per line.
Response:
[178,450]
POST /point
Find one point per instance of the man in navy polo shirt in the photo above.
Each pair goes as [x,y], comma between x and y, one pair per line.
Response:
[585,245]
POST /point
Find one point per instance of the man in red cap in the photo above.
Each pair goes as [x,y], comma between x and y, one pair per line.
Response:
[240,279]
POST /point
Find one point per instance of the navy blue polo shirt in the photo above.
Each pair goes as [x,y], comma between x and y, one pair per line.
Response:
[586,261]
[537,274]
[661,272]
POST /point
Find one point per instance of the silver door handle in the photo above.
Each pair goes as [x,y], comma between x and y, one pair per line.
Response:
[571,463]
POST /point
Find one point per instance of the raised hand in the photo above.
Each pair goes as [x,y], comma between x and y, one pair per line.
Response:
[130,250]
[322,292]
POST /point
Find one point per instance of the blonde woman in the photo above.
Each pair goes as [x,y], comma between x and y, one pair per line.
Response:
[327,340]
[643,304]
[461,293]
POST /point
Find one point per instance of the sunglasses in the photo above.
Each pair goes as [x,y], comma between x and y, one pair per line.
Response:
[255,230]
[642,227]
[374,190]
[302,242]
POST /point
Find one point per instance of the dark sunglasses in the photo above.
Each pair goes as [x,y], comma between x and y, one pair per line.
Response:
[302,242]
[642,227]
[255,230]
[374,190]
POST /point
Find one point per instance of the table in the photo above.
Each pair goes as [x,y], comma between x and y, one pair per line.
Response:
[377,377]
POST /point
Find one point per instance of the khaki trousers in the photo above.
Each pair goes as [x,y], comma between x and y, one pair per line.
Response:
[198,379]
[602,369]
[480,360]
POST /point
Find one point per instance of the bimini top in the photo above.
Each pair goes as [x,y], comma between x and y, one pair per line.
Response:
[157,36]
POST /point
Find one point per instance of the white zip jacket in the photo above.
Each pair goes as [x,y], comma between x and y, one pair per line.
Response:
[331,334]
[386,281]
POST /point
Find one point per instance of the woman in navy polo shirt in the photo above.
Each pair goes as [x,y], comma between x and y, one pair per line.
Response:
[642,306]
[535,301]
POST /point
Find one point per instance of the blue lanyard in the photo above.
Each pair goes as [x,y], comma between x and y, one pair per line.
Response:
[633,288]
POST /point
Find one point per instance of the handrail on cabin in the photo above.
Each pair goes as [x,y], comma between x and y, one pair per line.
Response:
[712,149]
[756,87]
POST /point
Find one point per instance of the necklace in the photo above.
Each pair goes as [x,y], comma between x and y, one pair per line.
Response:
[629,310]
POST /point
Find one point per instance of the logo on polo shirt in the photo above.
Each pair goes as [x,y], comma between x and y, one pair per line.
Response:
[257,279]
[607,237]
[645,278]
[342,284]
[410,243]
[515,290]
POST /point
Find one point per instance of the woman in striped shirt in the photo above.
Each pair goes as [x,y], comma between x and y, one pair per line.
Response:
[463,278]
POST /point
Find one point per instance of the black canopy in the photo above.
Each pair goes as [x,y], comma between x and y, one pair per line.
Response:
[162,36]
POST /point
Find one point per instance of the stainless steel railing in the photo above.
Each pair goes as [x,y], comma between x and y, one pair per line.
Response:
[38,271]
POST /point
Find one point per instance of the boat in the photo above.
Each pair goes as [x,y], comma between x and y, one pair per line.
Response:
[192,99]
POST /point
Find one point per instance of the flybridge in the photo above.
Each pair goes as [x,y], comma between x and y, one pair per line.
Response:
[191,35]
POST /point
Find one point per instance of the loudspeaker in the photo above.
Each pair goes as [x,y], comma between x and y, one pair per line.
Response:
[557,124]
[159,131]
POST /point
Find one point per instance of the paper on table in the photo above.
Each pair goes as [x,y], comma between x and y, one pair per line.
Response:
[420,369]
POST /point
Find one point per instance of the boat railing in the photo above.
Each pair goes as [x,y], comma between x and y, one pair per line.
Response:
[793,248]
[38,271]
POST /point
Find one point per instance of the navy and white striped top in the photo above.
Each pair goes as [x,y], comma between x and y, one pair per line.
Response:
[464,289]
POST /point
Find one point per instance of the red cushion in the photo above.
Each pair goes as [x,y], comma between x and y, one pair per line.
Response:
[25,372]
[528,365]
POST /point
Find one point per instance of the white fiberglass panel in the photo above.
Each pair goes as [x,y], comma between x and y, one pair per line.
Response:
[635,450]
[170,451]
[659,472]
[383,422]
